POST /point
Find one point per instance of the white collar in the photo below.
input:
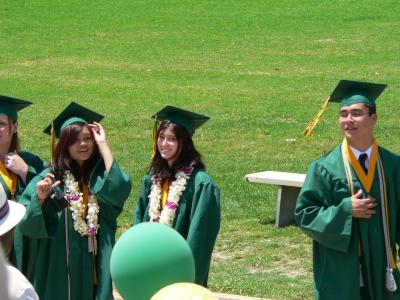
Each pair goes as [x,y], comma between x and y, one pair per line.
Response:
[357,152]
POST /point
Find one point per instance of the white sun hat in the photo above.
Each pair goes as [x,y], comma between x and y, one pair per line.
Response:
[11,213]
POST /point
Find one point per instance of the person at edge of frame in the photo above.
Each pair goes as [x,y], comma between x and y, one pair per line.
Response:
[349,205]
[17,169]
[13,284]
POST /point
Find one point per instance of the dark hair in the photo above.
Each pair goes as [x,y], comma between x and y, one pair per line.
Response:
[63,161]
[371,109]
[15,142]
[187,153]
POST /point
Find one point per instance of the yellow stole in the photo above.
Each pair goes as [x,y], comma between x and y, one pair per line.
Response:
[165,190]
[9,178]
[85,201]
[365,179]
[85,198]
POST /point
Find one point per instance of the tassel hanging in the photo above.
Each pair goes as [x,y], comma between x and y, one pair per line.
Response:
[154,139]
[315,120]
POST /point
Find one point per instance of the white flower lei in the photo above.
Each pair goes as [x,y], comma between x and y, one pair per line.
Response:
[167,215]
[75,199]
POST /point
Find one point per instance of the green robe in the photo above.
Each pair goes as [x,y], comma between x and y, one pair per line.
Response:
[23,248]
[197,218]
[324,212]
[48,226]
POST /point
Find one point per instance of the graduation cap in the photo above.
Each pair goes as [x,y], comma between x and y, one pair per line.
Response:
[10,106]
[73,113]
[187,119]
[349,92]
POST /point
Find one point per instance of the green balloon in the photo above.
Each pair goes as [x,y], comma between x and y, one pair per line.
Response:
[148,257]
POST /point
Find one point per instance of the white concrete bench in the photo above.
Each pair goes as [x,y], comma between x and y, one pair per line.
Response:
[289,188]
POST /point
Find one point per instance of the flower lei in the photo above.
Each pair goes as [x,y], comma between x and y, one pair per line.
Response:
[75,199]
[167,215]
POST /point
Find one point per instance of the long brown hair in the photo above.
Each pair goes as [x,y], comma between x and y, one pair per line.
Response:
[15,145]
[63,161]
[187,153]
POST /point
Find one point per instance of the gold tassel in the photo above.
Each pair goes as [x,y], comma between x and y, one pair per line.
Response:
[154,140]
[315,120]
[52,143]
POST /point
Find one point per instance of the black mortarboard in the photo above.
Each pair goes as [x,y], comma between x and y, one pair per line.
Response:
[189,120]
[349,92]
[73,113]
[10,106]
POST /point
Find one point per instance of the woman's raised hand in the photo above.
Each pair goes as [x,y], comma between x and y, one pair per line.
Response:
[101,141]
[98,132]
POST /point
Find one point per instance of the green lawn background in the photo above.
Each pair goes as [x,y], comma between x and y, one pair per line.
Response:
[259,69]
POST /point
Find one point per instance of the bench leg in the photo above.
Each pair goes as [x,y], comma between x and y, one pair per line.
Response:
[287,197]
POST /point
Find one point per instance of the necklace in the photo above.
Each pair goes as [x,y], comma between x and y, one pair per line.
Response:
[75,200]
[167,214]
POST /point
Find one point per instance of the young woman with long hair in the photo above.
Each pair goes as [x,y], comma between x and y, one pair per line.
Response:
[72,208]
[17,168]
[178,191]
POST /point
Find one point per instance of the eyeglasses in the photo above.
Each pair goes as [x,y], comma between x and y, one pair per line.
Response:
[356,113]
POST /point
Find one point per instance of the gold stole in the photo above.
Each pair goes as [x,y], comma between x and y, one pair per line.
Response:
[165,190]
[85,201]
[366,179]
[9,178]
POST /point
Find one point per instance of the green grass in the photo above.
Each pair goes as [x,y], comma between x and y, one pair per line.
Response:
[259,69]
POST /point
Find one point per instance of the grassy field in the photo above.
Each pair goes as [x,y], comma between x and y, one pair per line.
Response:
[260,69]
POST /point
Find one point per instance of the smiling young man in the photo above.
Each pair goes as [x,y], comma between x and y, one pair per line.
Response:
[349,205]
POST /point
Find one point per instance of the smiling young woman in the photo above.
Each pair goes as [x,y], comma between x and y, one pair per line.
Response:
[17,168]
[72,209]
[178,191]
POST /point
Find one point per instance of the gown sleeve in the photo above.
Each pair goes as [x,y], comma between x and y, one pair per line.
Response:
[143,201]
[325,220]
[38,222]
[204,227]
[111,188]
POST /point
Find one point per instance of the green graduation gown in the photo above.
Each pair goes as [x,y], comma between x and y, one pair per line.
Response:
[23,248]
[48,226]
[197,218]
[324,212]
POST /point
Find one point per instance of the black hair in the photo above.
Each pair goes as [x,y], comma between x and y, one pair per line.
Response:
[371,109]
[15,145]
[63,161]
[187,153]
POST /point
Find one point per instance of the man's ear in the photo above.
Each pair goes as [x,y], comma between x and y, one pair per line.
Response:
[375,118]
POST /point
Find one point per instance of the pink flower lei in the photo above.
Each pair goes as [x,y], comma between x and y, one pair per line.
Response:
[178,186]
[75,200]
